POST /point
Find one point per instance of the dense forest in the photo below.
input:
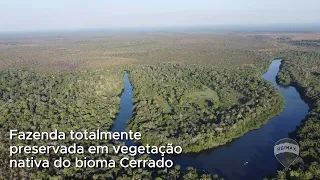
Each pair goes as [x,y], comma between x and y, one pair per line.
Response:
[197,90]
[301,70]
[54,94]
[79,101]
[200,108]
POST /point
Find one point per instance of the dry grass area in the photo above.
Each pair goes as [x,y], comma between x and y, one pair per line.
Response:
[70,52]
[306,36]
[90,51]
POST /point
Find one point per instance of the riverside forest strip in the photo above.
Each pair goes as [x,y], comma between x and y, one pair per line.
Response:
[78,101]
[301,69]
[185,105]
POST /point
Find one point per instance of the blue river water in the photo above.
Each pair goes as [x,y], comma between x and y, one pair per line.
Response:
[248,157]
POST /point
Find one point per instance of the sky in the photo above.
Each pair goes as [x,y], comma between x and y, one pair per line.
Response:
[38,15]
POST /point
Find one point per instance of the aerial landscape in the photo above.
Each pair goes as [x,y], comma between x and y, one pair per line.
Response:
[224,95]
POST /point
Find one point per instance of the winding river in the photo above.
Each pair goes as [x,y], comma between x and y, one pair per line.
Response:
[248,157]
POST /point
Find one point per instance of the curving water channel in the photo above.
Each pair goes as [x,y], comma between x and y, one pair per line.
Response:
[248,157]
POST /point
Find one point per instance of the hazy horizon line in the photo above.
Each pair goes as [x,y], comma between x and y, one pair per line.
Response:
[308,27]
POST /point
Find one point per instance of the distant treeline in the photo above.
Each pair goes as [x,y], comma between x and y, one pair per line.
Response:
[306,43]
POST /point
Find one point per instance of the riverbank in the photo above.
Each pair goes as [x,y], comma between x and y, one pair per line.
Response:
[254,146]
[300,69]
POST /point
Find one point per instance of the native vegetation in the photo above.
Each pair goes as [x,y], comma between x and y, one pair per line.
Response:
[72,101]
[301,70]
[306,43]
[199,108]
[198,90]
